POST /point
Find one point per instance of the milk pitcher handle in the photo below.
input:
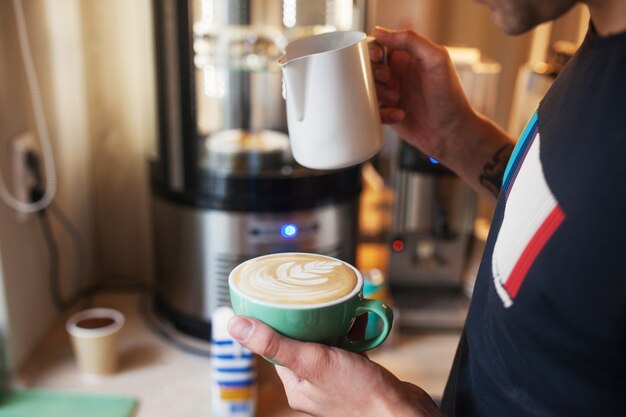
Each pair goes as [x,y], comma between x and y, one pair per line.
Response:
[372,40]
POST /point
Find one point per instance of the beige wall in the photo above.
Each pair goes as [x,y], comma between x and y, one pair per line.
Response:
[54,32]
[119,68]
[423,16]
[95,68]
[467,23]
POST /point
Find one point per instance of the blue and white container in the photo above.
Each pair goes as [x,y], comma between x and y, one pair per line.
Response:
[233,371]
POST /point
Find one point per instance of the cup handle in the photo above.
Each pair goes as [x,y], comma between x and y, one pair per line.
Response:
[383,311]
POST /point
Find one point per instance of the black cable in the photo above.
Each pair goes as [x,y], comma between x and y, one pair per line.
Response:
[37,192]
[77,242]
[54,262]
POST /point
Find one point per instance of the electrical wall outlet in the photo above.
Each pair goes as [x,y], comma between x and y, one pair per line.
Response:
[23,179]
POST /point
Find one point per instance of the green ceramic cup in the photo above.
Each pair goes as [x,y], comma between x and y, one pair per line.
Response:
[327,323]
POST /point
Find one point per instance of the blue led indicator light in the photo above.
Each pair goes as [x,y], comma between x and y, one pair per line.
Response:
[289,230]
[433,160]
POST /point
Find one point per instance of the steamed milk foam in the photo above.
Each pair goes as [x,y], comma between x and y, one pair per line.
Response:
[295,279]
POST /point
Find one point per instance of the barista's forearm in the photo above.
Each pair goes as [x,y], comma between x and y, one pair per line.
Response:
[479,156]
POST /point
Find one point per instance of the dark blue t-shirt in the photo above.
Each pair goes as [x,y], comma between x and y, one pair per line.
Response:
[545,334]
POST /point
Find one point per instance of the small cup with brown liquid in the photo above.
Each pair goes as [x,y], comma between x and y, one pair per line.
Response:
[308,297]
[94,335]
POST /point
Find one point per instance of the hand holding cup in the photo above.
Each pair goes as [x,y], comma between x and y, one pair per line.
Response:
[308,297]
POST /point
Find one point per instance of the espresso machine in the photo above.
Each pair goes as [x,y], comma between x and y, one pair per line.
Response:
[225,187]
[433,223]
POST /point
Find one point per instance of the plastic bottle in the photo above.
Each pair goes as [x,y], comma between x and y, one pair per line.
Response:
[233,371]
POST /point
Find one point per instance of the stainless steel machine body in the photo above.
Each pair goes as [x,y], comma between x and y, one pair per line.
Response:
[225,187]
[197,249]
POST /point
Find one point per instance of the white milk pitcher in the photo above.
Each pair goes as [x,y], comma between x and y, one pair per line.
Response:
[332,109]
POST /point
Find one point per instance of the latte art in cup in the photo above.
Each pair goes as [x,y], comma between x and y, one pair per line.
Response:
[307,297]
[295,278]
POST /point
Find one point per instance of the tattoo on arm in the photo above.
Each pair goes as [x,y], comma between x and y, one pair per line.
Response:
[493,171]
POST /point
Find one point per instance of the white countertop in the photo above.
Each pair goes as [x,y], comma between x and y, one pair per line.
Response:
[169,382]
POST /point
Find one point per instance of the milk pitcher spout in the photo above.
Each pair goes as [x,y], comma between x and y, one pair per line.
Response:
[295,73]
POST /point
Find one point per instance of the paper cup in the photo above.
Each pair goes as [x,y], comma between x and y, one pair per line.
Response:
[94,335]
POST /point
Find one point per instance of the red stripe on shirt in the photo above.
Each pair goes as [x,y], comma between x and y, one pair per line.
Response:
[532,249]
